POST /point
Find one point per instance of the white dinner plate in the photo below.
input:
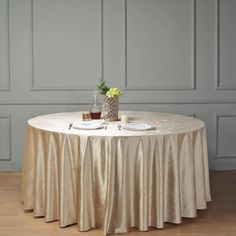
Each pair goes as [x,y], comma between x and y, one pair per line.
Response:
[88,125]
[136,126]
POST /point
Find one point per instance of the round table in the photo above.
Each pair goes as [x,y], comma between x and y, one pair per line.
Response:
[115,179]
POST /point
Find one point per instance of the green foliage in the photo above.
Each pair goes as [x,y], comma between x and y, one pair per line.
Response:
[102,88]
[109,92]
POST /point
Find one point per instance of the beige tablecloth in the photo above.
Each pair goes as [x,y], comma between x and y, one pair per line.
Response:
[115,179]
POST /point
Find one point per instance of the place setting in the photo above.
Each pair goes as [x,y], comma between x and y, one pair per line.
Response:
[106,116]
[95,125]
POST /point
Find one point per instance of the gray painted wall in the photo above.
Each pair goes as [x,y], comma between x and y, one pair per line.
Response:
[174,56]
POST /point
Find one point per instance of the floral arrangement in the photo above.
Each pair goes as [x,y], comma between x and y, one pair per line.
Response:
[111,101]
[109,92]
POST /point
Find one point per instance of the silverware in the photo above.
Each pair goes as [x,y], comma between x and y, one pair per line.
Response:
[70,126]
[105,127]
[119,126]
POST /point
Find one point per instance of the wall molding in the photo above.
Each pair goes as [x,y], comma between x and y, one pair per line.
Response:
[170,102]
[218,86]
[161,88]
[217,117]
[6,33]
[8,118]
[33,87]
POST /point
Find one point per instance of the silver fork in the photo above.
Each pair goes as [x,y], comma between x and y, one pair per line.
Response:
[70,126]
[119,126]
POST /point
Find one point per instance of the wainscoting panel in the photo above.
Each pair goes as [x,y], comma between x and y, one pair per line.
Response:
[5,137]
[225,135]
[226,44]
[66,44]
[160,44]
[4,46]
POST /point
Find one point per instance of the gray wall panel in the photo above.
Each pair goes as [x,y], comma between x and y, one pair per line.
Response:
[4,46]
[225,135]
[5,137]
[66,44]
[226,44]
[160,44]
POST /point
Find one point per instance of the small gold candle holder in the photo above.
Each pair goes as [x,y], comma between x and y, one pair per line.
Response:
[86,116]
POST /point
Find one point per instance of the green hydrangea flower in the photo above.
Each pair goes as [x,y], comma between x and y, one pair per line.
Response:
[113,92]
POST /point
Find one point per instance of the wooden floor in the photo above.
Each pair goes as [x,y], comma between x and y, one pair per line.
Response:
[218,220]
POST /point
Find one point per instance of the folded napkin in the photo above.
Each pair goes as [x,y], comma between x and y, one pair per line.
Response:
[137,126]
[88,125]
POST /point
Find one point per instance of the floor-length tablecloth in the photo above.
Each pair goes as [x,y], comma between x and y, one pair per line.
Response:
[115,179]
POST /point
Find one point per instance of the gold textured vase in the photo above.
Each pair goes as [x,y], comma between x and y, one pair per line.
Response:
[111,108]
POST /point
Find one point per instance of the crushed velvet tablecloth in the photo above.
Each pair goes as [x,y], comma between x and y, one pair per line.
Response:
[115,179]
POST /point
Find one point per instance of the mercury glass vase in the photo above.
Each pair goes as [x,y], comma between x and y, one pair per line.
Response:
[111,108]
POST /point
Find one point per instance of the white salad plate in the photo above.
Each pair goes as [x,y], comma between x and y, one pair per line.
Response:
[136,126]
[88,125]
